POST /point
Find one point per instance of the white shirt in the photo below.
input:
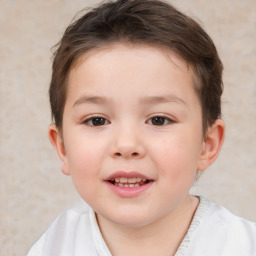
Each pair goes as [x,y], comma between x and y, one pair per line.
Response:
[214,231]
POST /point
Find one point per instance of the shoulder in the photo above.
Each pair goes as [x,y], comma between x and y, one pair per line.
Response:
[229,222]
[68,222]
[224,233]
[69,232]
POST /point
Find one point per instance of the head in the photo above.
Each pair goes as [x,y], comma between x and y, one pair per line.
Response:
[135,97]
[140,22]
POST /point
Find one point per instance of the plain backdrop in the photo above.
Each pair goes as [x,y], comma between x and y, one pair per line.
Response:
[33,190]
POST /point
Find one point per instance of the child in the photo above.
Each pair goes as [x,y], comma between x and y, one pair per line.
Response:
[136,103]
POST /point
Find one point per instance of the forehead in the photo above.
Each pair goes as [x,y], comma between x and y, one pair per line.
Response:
[137,50]
[126,65]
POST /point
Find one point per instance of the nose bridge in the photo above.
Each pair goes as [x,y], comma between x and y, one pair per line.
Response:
[128,141]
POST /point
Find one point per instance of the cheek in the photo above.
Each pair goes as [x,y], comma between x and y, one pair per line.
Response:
[84,157]
[84,160]
[177,157]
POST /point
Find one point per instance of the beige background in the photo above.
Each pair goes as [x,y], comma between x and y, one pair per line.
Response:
[32,189]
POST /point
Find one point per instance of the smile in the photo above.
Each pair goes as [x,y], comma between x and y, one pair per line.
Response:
[129,182]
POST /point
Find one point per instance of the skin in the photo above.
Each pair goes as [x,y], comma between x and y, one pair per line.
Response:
[127,87]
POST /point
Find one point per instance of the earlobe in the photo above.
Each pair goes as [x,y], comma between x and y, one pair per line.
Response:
[58,144]
[212,144]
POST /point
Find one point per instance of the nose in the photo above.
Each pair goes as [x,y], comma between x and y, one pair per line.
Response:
[127,144]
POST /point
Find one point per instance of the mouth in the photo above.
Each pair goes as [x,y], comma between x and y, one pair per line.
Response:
[129,182]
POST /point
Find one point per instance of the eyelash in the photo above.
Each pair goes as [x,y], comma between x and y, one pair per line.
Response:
[166,120]
[89,121]
[104,121]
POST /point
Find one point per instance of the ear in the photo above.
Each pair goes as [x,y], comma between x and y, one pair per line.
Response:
[212,144]
[58,144]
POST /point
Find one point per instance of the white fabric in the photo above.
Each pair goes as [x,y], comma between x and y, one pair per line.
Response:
[214,231]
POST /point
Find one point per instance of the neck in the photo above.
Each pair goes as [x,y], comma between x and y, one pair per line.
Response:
[161,237]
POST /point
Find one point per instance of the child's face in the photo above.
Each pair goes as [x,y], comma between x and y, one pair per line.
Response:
[132,112]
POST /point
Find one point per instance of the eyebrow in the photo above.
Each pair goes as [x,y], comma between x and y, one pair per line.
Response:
[144,100]
[91,100]
[161,99]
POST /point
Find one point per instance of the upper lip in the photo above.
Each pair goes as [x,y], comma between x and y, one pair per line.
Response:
[125,174]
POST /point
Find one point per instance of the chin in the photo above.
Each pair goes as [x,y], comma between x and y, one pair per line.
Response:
[129,218]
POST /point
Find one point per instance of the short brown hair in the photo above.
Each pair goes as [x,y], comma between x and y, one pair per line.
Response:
[149,22]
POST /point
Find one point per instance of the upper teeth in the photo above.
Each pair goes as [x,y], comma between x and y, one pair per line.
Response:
[129,180]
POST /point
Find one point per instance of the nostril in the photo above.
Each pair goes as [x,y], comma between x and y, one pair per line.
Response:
[134,154]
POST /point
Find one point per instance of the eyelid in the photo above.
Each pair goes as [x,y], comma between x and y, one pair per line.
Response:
[88,118]
[93,116]
[165,116]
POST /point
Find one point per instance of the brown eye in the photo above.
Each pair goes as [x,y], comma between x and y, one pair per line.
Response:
[96,121]
[159,120]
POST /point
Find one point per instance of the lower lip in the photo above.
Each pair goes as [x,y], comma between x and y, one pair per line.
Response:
[130,191]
